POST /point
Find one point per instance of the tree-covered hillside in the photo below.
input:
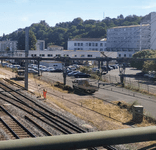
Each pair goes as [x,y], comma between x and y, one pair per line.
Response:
[78,28]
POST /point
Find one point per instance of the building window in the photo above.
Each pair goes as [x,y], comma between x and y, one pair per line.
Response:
[81,44]
[75,55]
[57,55]
[96,44]
[89,55]
[101,49]
[86,44]
[66,55]
[50,55]
[78,44]
[101,44]
[119,55]
[124,55]
[75,44]
[90,44]
[82,55]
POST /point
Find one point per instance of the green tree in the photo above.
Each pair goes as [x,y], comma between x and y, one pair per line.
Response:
[143,65]
[149,66]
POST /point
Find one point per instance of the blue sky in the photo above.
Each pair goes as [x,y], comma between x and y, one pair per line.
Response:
[22,13]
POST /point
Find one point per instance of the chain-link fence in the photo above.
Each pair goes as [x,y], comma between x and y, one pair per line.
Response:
[139,84]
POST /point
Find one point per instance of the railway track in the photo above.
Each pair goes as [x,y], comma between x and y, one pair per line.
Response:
[12,126]
[54,120]
[35,109]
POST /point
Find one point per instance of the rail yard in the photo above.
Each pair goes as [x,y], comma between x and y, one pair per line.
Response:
[26,114]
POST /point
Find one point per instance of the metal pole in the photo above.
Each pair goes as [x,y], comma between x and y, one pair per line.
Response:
[38,63]
[82,140]
[107,65]
[26,55]
[98,64]
[64,75]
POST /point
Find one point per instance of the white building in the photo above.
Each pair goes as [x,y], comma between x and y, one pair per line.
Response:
[126,40]
[40,45]
[94,44]
[63,53]
[7,47]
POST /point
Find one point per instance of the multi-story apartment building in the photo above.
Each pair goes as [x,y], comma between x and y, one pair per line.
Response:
[7,46]
[94,44]
[126,40]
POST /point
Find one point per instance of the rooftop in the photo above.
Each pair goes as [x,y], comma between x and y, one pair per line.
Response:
[55,46]
[130,26]
[88,39]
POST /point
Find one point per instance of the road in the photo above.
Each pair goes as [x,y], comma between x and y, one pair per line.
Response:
[109,92]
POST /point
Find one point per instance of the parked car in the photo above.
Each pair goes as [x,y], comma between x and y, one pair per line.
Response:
[72,73]
[21,68]
[82,75]
[140,74]
[4,64]
[114,66]
[95,70]
[72,68]
[150,75]
[76,65]
[30,70]
[57,70]
[43,68]
[16,66]
[104,68]
[50,69]
[9,65]
[68,70]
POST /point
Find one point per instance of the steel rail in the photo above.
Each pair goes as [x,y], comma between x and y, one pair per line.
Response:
[74,127]
[47,116]
[14,134]
[41,128]
[23,127]
[59,129]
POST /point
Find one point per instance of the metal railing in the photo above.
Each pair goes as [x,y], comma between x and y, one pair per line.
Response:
[83,140]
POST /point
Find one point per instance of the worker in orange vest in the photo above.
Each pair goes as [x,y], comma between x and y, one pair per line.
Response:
[44,93]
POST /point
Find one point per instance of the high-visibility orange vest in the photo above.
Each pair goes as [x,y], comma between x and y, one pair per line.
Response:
[44,93]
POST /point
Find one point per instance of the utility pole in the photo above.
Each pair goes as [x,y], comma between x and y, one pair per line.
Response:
[26,56]
[38,64]
[64,74]
[140,36]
